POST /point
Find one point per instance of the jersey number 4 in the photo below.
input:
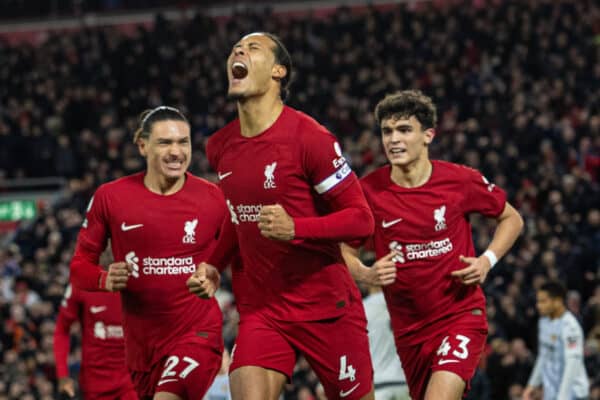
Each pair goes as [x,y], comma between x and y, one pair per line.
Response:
[462,346]
[347,371]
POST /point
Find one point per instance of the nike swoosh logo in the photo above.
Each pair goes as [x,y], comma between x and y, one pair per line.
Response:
[126,228]
[442,362]
[390,223]
[347,392]
[165,381]
[224,175]
[97,309]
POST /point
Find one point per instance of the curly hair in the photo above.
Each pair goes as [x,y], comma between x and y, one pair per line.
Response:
[405,104]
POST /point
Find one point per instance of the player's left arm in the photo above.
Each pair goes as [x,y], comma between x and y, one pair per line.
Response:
[205,281]
[572,344]
[483,197]
[332,179]
[350,219]
[507,231]
[227,243]
[534,383]
[67,315]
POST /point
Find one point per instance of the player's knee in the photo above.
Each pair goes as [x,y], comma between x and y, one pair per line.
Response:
[445,385]
[166,396]
[256,383]
[369,396]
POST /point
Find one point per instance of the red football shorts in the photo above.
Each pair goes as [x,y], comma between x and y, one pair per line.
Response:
[457,348]
[187,371]
[337,349]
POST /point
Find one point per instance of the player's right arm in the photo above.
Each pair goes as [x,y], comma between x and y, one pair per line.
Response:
[381,273]
[535,379]
[530,392]
[67,315]
[86,273]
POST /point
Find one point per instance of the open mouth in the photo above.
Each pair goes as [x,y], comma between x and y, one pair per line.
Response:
[239,70]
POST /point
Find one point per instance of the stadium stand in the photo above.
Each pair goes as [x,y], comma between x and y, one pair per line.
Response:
[517,85]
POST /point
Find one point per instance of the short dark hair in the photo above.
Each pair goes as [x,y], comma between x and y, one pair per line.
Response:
[282,57]
[555,290]
[405,104]
[149,117]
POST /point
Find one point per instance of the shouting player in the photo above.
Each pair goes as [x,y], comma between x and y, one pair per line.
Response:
[292,198]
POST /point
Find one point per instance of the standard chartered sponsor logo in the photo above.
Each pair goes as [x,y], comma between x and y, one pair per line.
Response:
[168,266]
[418,251]
[244,212]
[133,260]
[161,265]
[397,247]
[248,212]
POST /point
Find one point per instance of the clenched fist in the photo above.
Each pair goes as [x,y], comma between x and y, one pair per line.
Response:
[275,223]
[117,276]
[205,281]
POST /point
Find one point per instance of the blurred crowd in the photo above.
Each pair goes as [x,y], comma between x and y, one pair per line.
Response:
[28,9]
[517,86]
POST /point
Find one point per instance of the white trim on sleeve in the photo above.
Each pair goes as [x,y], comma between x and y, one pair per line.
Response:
[332,180]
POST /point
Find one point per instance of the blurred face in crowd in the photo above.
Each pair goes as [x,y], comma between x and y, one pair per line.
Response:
[251,67]
[548,306]
[167,150]
[404,140]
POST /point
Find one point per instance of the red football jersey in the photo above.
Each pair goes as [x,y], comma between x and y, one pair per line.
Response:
[164,238]
[429,228]
[298,164]
[103,368]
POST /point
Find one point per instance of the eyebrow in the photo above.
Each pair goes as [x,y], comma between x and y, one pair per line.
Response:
[167,139]
[399,126]
[239,44]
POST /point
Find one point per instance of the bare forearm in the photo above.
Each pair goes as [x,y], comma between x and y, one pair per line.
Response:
[357,269]
[509,227]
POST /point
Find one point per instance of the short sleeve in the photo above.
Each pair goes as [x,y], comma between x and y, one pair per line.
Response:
[324,164]
[481,195]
